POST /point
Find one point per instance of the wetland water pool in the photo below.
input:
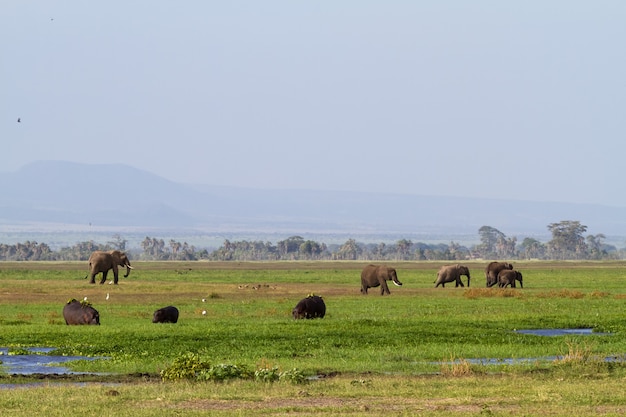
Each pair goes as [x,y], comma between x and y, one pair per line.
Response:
[542,333]
[38,361]
[561,332]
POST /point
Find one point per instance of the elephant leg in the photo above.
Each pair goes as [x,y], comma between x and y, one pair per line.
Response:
[93,278]
[384,288]
[104,277]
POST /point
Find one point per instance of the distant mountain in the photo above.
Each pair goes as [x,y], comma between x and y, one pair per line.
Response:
[119,195]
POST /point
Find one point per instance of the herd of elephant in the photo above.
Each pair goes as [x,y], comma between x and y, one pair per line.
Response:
[313,306]
[500,273]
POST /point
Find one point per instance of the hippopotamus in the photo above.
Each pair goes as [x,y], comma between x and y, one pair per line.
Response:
[311,307]
[76,312]
[167,314]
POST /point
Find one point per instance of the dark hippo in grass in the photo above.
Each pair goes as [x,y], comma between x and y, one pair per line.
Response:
[167,314]
[80,312]
[311,307]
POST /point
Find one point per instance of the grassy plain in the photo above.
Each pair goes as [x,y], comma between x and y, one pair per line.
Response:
[406,354]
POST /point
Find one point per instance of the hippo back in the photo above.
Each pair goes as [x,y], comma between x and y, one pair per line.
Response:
[167,314]
[310,307]
[75,312]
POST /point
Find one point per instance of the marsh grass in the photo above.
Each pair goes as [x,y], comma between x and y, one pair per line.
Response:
[389,341]
[456,367]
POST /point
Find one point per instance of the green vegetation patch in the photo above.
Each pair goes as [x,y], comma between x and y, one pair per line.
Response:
[235,327]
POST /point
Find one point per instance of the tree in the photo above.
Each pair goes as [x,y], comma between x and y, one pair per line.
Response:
[567,240]
[404,247]
[289,248]
[489,238]
[505,247]
[595,244]
[349,251]
[118,243]
[311,249]
[532,249]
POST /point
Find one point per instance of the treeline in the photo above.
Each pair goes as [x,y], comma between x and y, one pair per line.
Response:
[568,242]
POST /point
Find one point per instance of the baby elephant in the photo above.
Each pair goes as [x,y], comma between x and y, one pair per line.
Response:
[309,308]
[167,314]
[508,277]
[75,312]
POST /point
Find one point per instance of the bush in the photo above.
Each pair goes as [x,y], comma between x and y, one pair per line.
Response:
[190,366]
[187,366]
[223,372]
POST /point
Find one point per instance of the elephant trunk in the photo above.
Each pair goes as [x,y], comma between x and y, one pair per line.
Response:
[128,268]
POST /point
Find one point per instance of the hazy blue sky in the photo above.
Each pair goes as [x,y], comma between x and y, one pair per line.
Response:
[502,99]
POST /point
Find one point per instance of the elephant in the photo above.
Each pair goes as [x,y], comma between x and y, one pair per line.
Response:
[101,261]
[493,269]
[311,307]
[508,277]
[76,312]
[375,275]
[449,273]
[167,314]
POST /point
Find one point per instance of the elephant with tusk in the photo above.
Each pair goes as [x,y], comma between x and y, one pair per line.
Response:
[101,261]
[378,275]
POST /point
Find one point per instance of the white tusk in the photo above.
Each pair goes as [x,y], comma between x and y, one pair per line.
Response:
[398,285]
[129,267]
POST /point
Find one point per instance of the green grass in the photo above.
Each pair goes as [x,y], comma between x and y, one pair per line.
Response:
[398,341]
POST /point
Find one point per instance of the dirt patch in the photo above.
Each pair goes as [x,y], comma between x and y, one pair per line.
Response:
[308,405]
[80,378]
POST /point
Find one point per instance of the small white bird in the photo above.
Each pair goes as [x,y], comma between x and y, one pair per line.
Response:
[204,312]
[107,296]
[204,300]
[85,299]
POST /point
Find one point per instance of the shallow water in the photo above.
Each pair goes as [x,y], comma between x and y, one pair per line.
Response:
[561,332]
[38,363]
[538,332]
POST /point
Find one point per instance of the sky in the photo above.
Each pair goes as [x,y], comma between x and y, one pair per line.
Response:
[492,99]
